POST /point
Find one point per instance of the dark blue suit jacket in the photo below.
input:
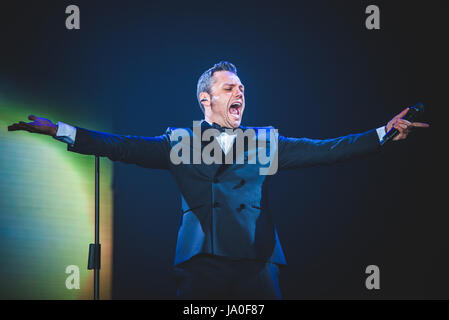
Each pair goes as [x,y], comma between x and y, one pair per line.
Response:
[224,206]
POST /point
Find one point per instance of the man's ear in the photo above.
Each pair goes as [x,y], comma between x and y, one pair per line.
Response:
[205,99]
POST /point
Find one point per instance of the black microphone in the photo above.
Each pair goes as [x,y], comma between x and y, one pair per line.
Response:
[412,114]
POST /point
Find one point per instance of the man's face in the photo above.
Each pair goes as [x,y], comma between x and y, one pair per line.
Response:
[227,100]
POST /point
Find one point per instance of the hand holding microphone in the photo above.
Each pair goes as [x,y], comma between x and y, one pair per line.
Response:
[401,125]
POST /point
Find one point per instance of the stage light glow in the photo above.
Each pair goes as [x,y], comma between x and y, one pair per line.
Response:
[47,214]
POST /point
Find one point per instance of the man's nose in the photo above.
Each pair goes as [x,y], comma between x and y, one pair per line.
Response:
[238,93]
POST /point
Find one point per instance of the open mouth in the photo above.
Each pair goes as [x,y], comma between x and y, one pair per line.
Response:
[236,109]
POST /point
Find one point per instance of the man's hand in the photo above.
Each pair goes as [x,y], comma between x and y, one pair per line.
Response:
[403,126]
[39,125]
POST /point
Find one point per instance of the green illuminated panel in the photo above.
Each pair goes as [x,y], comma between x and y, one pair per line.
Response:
[47,213]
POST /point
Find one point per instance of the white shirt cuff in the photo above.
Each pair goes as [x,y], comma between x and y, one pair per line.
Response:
[66,133]
[381,132]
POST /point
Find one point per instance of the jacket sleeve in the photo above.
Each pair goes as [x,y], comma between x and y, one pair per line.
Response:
[304,152]
[148,152]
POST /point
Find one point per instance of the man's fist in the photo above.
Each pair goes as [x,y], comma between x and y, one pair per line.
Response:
[403,126]
[39,125]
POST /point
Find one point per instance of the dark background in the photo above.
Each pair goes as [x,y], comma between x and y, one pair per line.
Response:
[310,68]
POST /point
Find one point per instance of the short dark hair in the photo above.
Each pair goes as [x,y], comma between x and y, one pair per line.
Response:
[205,81]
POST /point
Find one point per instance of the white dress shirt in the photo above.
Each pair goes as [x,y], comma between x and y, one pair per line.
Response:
[66,133]
[225,140]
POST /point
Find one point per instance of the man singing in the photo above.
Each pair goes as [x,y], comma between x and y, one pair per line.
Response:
[227,246]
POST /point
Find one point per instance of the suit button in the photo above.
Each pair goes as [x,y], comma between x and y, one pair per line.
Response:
[242,206]
[216,204]
[216,180]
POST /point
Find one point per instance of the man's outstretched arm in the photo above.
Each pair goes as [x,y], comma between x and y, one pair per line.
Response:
[149,152]
[303,152]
